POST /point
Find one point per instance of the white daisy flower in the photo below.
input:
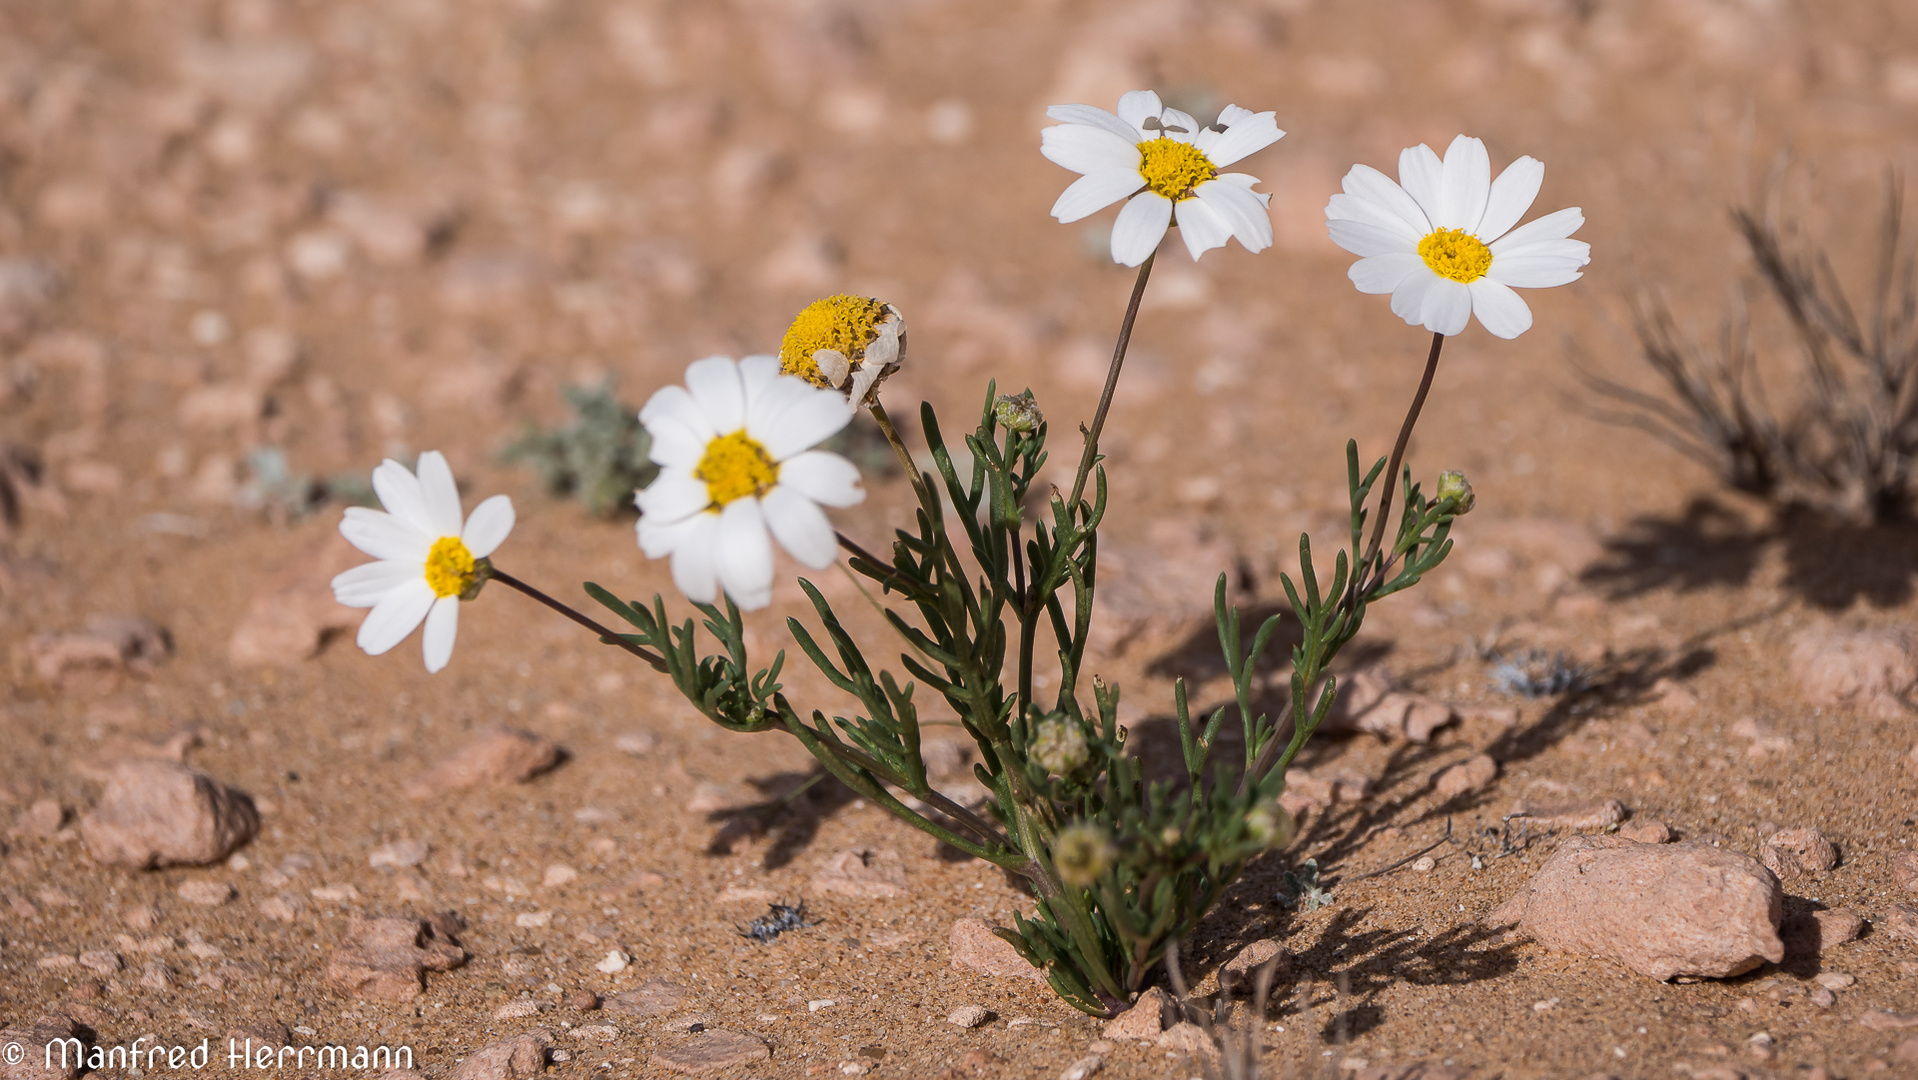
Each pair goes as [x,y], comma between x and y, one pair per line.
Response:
[428,561]
[1441,239]
[1169,167]
[737,470]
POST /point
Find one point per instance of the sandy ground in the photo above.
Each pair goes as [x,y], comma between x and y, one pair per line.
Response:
[352,229]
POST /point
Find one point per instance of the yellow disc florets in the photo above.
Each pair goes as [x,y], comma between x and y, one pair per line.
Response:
[1456,254]
[734,467]
[844,324]
[449,567]
[1173,168]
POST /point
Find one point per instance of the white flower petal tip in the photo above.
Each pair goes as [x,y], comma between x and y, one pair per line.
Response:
[1442,240]
[718,512]
[1161,162]
[429,560]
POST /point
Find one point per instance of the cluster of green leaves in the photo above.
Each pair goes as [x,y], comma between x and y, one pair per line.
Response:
[600,457]
[978,586]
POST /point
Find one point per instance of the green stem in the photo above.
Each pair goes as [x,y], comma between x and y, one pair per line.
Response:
[1391,477]
[1091,453]
[658,662]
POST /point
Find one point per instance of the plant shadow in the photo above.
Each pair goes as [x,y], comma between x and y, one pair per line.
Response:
[794,807]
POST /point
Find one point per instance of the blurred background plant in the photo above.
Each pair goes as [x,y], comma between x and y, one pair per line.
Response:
[599,458]
[1846,441]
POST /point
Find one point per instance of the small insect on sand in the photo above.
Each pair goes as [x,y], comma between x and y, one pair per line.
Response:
[778,919]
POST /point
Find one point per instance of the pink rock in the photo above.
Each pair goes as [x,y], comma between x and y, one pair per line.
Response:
[1904,870]
[205,893]
[651,998]
[1469,775]
[293,610]
[1316,791]
[111,642]
[45,1031]
[1646,831]
[43,818]
[1240,974]
[1368,703]
[862,874]
[1583,815]
[499,755]
[1870,668]
[523,1055]
[1886,1020]
[1811,933]
[385,958]
[1145,1019]
[1798,852]
[713,1050]
[159,813]
[1663,910]
[1900,921]
[976,948]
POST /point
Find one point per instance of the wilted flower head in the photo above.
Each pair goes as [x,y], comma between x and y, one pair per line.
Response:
[1018,412]
[1058,745]
[1168,166]
[1082,854]
[848,343]
[1441,241]
[1453,485]
[428,560]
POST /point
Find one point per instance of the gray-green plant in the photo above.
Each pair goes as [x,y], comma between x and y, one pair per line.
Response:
[974,590]
[599,457]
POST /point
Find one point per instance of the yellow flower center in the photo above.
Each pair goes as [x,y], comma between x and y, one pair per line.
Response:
[846,324]
[449,567]
[1173,168]
[734,467]
[1456,254]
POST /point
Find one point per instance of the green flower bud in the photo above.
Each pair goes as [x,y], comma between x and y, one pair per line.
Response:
[1454,486]
[1058,746]
[1082,854]
[1271,826]
[1018,412]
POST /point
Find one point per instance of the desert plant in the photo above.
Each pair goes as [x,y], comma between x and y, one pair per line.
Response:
[1847,440]
[978,593]
[600,457]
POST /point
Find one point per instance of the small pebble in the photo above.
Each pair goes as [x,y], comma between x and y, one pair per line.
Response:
[614,963]
[583,1000]
[1823,998]
[1425,863]
[557,875]
[205,893]
[399,853]
[1082,1068]
[1834,980]
[516,1010]
[822,1003]
[969,1016]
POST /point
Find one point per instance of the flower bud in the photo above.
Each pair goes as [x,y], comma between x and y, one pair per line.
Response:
[1454,486]
[1271,826]
[1018,412]
[482,570]
[1058,746]
[1082,854]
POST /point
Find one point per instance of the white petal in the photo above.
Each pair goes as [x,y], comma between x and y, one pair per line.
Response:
[800,526]
[1136,105]
[1577,251]
[1241,211]
[824,477]
[766,401]
[1446,307]
[1185,121]
[1382,274]
[1556,226]
[1200,226]
[442,627]
[384,536]
[1499,309]
[1139,227]
[690,543]
[1243,138]
[441,493]
[1409,297]
[399,491]
[804,424]
[1377,218]
[673,497]
[365,585]
[395,616]
[659,537]
[1094,192]
[1096,117]
[1234,114]
[1512,195]
[1239,179]
[1087,149]
[716,389]
[1366,184]
[1419,171]
[488,526]
[757,370]
[678,429]
[1534,271]
[743,554]
[832,365]
[1367,239]
[1465,181]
